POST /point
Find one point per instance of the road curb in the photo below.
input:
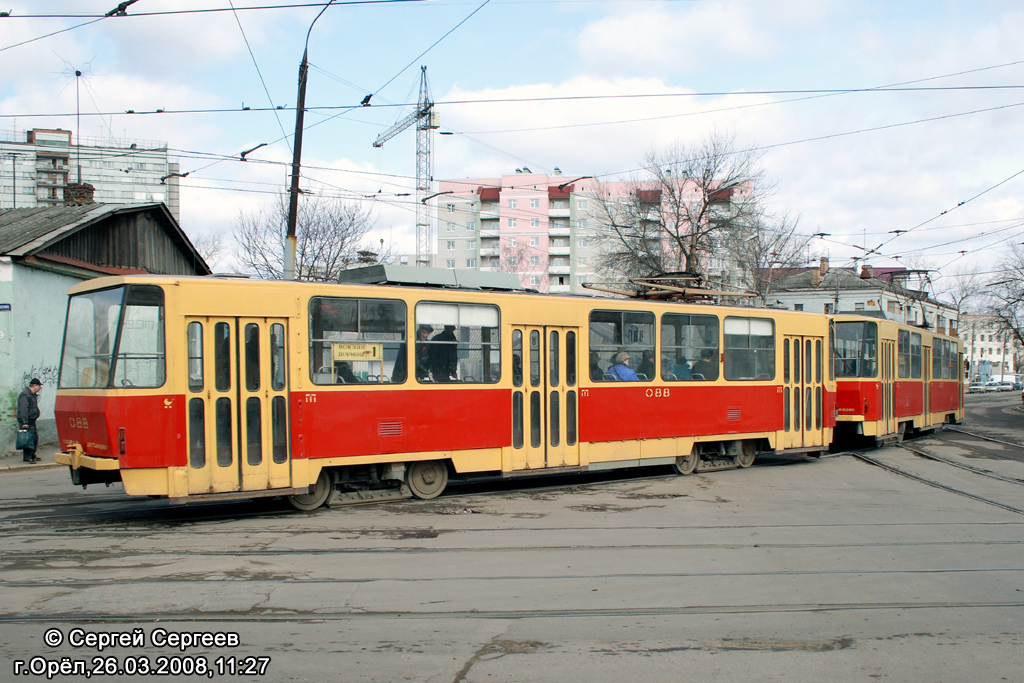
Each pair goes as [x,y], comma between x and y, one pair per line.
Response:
[23,466]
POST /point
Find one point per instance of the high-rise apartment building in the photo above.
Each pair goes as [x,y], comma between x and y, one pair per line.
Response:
[537,225]
[37,165]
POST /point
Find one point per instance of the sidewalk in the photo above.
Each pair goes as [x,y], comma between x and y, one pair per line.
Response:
[12,462]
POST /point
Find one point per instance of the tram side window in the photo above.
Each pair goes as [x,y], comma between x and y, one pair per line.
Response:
[462,343]
[621,346]
[953,366]
[915,355]
[857,349]
[689,347]
[903,343]
[357,341]
[749,348]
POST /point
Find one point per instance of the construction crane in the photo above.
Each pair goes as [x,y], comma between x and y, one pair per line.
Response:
[426,120]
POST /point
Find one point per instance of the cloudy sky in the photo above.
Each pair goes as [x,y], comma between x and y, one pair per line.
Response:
[873,117]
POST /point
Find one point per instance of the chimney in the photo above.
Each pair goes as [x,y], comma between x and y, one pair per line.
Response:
[77,194]
[866,272]
[824,266]
[815,277]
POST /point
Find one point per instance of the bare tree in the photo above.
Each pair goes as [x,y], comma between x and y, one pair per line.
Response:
[210,246]
[671,219]
[1006,292]
[331,234]
[964,290]
[767,250]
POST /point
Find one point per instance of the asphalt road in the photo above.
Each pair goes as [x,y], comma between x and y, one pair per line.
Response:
[793,570]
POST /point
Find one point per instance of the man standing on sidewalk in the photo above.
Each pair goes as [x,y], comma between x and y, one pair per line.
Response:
[28,413]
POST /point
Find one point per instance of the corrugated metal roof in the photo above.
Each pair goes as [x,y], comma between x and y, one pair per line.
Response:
[23,232]
[21,229]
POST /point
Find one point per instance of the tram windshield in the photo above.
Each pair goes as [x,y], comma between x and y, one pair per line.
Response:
[114,338]
[856,349]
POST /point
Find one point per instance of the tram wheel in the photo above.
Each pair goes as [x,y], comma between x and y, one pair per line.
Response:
[427,478]
[687,464]
[311,501]
[748,453]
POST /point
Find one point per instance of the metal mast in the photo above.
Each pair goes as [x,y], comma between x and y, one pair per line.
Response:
[426,120]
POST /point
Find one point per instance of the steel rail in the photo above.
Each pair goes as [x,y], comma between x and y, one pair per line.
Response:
[975,470]
[935,484]
[265,615]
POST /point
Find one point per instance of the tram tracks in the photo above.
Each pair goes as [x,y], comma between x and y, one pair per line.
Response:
[1016,508]
[265,615]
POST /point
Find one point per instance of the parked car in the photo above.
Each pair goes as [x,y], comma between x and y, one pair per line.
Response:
[991,385]
[976,387]
[1006,386]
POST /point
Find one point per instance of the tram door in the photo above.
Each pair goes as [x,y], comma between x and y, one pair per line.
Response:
[802,391]
[237,404]
[544,397]
[887,373]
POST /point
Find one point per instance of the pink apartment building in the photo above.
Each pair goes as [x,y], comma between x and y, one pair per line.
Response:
[537,225]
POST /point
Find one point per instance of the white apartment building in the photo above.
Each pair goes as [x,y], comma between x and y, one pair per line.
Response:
[989,346]
[886,293]
[37,165]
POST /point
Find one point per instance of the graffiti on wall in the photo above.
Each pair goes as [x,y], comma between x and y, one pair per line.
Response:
[47,374]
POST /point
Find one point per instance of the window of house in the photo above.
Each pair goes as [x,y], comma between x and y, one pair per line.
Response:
[450,227]
[858,307]
[581,204]
[534,222]
[470,225]
[450,245]
[357,341]
[534,260]
[798,307]
[450,207]
[511,222]
[828,309]
[534,280]
[534,203]
[749,348]
[534,241]
[463,344]
[689,347]
[511,203]
[450,263]
[511,241]
[471,263]
[613,333]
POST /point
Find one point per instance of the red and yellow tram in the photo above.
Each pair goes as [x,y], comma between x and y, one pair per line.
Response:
[894,379]
[200,388]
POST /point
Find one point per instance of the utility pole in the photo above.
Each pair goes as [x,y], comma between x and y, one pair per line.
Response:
[293,199]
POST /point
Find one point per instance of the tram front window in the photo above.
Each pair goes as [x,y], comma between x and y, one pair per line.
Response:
[856,349]
[114,337]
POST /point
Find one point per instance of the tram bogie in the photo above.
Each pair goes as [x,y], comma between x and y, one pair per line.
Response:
[329,394]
